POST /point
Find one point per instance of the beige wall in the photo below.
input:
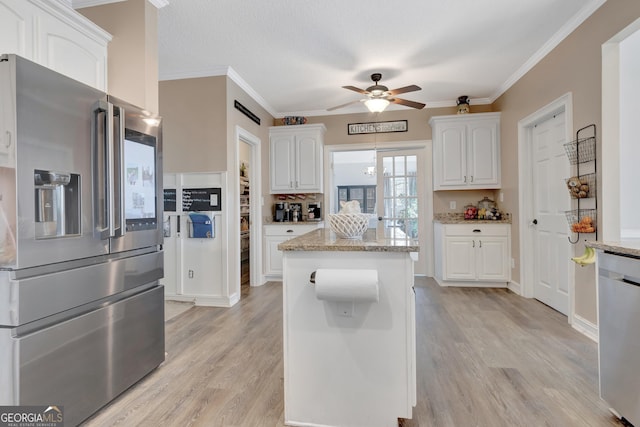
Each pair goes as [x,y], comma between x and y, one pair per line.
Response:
[133,52]
[194,124]
[574,66]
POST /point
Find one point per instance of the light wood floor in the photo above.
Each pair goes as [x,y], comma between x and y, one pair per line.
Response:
[486,358]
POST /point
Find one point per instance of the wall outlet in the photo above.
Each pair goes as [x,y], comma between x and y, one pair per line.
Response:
[501,196]
[452,204]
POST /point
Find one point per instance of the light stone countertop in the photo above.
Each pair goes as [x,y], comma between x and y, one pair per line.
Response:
[458,218]
[624,247]
[323,239]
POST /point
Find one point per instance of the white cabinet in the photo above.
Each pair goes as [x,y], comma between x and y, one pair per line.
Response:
[466,151]
[52,34]
[473,254]
[296,158]
[274,234]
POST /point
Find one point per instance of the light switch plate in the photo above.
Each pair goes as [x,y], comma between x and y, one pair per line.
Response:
[452,204]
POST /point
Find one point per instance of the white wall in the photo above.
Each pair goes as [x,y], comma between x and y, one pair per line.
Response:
[629,139]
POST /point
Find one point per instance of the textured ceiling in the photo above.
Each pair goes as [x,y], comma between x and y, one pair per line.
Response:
[293,56]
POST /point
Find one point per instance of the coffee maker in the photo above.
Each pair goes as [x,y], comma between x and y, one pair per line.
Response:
[279,212]
[314,211]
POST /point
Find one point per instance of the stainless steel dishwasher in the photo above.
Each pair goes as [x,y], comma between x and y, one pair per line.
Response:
[619,328]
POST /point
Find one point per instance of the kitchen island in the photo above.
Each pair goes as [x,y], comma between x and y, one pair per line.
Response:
[349,363]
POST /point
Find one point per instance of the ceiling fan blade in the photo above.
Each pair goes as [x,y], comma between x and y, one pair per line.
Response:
[343,105]
[356,89]
[412,104]
[411,88]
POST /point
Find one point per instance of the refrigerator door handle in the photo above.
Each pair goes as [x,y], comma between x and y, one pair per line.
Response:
[110,172]
[102,134]
[118,174]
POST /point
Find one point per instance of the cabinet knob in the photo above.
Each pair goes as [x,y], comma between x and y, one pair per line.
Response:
[534,222]
[477,230]
[289,231]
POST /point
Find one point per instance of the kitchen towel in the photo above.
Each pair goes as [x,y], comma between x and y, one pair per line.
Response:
[347,285]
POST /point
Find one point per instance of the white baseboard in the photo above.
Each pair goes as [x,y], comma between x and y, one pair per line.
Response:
[205,301]
[469,284]
[585,327]
[515,287]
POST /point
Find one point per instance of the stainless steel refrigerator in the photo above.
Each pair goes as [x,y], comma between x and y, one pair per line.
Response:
[81,308]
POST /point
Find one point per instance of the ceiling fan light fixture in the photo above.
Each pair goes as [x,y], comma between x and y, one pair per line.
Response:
[376,105]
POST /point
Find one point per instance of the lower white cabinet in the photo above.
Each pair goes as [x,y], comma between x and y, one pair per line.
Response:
[274,234]
[473,254]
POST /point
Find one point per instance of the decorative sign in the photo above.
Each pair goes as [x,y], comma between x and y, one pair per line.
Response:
[244,110]
[377,127]
[201,199]
[170,199]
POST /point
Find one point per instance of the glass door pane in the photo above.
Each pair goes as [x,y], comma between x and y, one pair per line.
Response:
[398,191]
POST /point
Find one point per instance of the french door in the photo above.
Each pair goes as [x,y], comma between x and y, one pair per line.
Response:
[400,196]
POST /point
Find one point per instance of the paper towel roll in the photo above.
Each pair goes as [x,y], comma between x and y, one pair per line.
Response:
[347,285]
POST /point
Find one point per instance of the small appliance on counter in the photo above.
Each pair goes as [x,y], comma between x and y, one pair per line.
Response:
[314,212]
[279,211]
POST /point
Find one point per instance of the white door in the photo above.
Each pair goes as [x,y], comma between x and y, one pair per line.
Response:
[400,196]
[552,250]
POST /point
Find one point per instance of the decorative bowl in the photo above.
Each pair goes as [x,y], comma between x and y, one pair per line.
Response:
[349,226]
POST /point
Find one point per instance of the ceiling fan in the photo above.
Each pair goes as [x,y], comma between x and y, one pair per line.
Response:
[379,96]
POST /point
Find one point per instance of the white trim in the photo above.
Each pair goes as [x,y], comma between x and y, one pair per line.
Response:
[221,71]
[470,284]
[610,161]
[79,4]
[586,328]
[564,103]
[255,215]
[515,287]
[570,26]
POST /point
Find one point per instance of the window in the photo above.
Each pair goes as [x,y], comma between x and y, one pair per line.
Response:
[365,194]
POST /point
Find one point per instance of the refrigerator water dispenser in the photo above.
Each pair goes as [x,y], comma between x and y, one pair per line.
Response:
[57,203]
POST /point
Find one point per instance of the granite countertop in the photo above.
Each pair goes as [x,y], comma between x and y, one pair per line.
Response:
[624,247]
[323,239]
[458,218]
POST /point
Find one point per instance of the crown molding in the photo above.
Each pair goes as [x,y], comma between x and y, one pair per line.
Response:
[79,4]
[551,44]
[221,71]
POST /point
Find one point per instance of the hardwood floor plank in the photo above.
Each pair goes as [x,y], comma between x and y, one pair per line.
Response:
[485,358]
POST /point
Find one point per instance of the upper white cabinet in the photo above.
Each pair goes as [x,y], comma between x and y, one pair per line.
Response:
[52,34]
[296,158]
[466,151]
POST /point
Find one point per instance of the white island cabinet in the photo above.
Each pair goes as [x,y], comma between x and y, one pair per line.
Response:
[276,233]
[348,363]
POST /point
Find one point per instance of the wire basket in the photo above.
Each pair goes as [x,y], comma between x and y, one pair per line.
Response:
[582,187]
[582,220]
[349,226]
[581,150]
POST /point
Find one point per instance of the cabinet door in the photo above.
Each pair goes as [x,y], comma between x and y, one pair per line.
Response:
[483,165]
[450,156]
[459,258]
[14,27]
[492,255]
[308,166]
[273,256]
[281,163]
